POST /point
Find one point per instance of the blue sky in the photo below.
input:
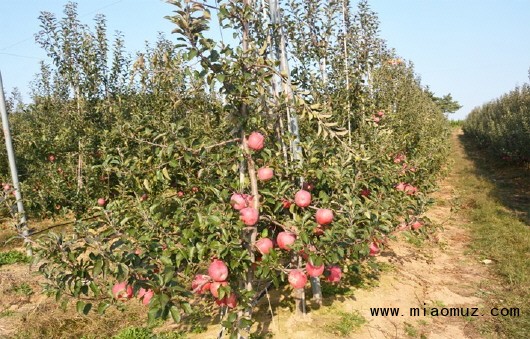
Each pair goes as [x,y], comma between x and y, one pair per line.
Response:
[475,49]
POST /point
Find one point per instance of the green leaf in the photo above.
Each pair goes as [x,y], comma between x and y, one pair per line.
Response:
[232,317]
[102,307]
[146,185]
[95,288]
[87,308]
[186,307]
[175,313]
[305,238]
[191,54]
[163,299]
[165,173]
[153,314]
[80,305]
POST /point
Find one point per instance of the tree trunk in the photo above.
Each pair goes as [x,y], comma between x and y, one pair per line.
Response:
[292,118]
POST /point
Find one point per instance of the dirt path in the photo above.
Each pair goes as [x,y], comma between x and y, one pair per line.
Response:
[437,275]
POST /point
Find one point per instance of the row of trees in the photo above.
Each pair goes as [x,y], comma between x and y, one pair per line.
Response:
[149,153]
[503,124]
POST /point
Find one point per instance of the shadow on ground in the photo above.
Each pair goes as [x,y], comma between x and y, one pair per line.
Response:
[511,180]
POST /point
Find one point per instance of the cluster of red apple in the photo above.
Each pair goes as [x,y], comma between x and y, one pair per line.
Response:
[250,216]
[123,292]
[415,225]
[404,167]
[217,275]
[297,278]
[377,117]
[7,187]
[407,188]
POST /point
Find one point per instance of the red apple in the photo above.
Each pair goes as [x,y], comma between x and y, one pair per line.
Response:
[144,197]
[265,173]
[335,273]
[286,203]
[264,245]
[399,158]
[297,278]
[401,186]
[249,216]
[416,225]
[214,287]
[302,198]
[376,119]
[7,187]
[285,239]
[380,114]
[365,192]
[101,202]
[180,194]
[324,216]
[201,283]
[195,189]
[145,295]
[374,249]
[230,301]
[51,157]
[410,190]
[218,270]
[121,291]
[314,271]
[239,201]
[255,141]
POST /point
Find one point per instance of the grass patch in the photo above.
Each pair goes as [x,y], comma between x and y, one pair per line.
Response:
[145,333]
[410,330]
[7,313]
[13,257]
[23,289]
[346,324]
[499,234]
[413,239]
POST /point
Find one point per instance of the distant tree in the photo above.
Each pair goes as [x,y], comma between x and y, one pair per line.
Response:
[14,102]
[446,103]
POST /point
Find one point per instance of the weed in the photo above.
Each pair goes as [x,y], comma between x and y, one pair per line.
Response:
[347,323]
[145,333]
[410,330]
[13,257]
[23,289]
[6,313]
